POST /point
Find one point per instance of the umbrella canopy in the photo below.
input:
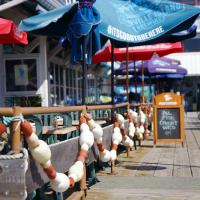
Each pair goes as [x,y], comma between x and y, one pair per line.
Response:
[132,79]
[144,21]
[140,52]
[9,33]
[154,66]
[72,21]
[140,22]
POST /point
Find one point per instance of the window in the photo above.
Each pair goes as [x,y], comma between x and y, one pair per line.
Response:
[192,44]
[79,87]
[21,75]
[91,89]
[56,84]
[63,84]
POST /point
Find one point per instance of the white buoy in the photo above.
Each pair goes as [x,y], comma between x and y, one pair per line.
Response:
[140,136]
[98,141]
[97,131]
[131,144]
[84,127]
[86,137]
[79,163]
[116,130]
[84,147]
[117,136]
[137,131]
[78,170]
[64,184]
[116,142]
[113,155]
[41,153]
[104,156]
[32,140]
[131,134]
[120,118]
[46,165]
[121,126]
[126,142]
[91,123]
[131,129]
[134,115]
[141,129]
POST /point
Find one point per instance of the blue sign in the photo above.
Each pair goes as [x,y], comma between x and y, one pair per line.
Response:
[121,92]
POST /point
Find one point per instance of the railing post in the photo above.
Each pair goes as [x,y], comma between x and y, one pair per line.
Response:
[113,162]
[112,167]
[139,115]
[16,135]
[128,148]
[83,186]
[152,119]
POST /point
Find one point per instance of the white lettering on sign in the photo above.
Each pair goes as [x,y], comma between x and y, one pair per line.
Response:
[168,122]
[167,103]
[167,97]
[134,38]
[166,70]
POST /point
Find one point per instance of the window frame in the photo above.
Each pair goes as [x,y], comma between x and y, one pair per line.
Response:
[20,57]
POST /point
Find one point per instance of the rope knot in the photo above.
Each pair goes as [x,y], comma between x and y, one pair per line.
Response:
[8,120]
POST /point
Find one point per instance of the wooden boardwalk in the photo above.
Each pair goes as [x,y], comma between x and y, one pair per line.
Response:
[175,171]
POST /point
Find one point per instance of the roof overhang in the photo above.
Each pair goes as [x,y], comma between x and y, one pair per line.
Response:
[11,4]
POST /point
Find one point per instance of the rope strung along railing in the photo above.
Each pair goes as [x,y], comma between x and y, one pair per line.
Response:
[41,152]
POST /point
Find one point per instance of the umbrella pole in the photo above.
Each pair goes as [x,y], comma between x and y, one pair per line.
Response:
[135,76]
[142,82]
[127,81]
[112,71]
[84,70]
[150,86]
[127,94]
[157,87]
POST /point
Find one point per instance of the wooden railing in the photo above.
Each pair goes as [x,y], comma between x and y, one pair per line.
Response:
[16,136]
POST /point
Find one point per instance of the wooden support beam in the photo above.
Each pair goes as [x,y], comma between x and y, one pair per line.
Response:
[66,60]
[54,51]
[11,4]
[29,48]
[92,66]
[98,70]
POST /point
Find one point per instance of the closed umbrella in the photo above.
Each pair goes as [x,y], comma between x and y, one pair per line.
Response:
[139,22]
[79,23]
[9,33]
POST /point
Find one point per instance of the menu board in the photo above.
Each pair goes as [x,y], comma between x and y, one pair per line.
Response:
[168,123]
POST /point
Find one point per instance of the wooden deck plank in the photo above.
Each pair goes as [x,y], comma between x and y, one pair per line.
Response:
[181,163]
[190,140]
[150,163]
[193,148]
[131,165]
[165,163]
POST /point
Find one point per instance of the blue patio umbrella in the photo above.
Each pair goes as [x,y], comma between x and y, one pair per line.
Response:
[77,22]
[137,22]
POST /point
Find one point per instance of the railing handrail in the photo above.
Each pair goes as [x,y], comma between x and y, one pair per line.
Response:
[102,107]
[47,110]
[41,110]
[140,104]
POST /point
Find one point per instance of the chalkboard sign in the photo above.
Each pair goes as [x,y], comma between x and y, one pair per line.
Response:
[168,118]
[168,123]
